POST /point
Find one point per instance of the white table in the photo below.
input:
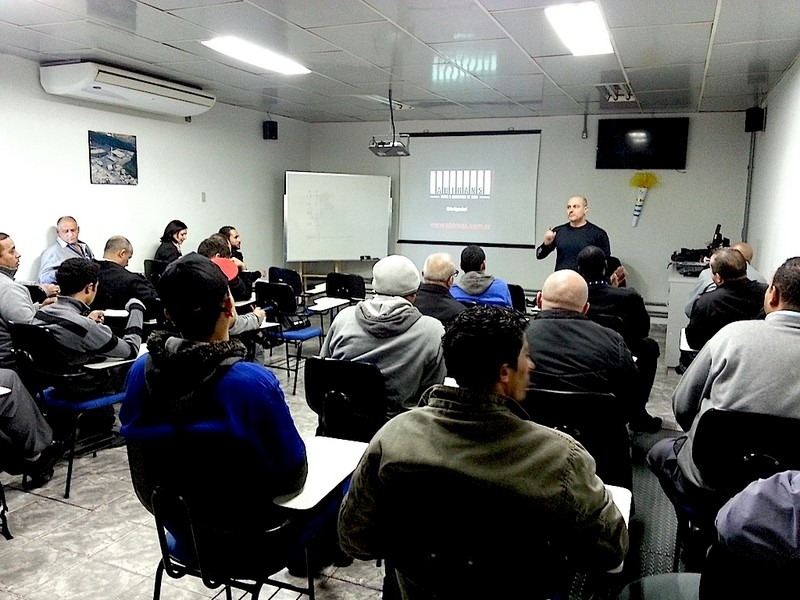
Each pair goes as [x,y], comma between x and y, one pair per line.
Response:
[622,499]
[240,303]
[330,461]
[679,289]
[112,362]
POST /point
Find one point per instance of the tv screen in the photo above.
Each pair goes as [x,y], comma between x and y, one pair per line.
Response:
[642,143]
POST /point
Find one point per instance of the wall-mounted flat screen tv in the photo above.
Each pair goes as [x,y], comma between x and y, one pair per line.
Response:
[658,143]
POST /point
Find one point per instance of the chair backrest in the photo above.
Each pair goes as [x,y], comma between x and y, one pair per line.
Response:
[597,420]
[290,276]
[732,448]
[38,345]
[212,529]
[154,269]
[463,546]
[37,293]
[517,297]
[345,285]
[278,296]
[613,322]
[726,574]
[349,397]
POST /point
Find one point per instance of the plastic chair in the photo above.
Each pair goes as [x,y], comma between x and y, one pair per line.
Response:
[236,540]
[731,449]
[35,349]
[517,297]
[464,551]
[596,420]
[290,276]
[345,285]
[280,300]
[349,397]
[153,269]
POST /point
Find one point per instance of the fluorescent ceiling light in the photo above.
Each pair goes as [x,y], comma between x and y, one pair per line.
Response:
[580,27]
[255,55]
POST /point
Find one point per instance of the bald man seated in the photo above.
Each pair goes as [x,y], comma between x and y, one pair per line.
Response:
[705,281]
[117,285]
[573,353]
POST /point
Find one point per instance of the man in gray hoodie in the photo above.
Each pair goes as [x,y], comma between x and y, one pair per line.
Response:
[390,332]
[476,286]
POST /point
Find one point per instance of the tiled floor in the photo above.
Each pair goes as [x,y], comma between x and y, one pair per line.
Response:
[101,544]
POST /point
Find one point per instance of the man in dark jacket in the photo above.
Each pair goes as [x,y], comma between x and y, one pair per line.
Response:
[433,296]
[117,285]
[573,353]
[736,298]
[623,309]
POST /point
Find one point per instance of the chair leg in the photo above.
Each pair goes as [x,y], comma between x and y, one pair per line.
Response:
[4,530]
[71,456]
[297,365]
[159,575]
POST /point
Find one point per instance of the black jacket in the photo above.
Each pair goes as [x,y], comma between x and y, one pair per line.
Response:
[571,353]
[436,301]
[118,285]
[737,300]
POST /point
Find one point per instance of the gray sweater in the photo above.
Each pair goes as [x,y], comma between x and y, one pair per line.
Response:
[747,366]
[16,306]
[392,334]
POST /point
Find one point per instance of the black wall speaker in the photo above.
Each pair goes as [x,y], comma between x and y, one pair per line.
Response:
[754,119]
[270,130]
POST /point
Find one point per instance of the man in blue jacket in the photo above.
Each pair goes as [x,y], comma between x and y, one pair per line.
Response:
[475,284]
[199,377]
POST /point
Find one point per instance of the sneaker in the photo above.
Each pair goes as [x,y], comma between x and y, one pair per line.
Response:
[646,423]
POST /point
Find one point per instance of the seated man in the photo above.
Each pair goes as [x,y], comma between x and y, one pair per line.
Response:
[433,296]
[705,282]
[748,366]
[217,248]
[67,245]
[117,285]
[26,440]
[15,299]
[235,243]
[736,298]
[199,376]
[475,284]
[573,353]
[391,333]
[483,478]
[625,304]
[83,338]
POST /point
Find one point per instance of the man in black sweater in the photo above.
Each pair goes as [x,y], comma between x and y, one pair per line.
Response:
[572,237]
[117,285]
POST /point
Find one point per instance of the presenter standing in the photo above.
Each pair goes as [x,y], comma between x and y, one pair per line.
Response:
[572,237]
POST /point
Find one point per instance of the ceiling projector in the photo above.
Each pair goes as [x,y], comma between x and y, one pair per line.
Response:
[393,148]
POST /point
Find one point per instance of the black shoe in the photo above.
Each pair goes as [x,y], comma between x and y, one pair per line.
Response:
[40,471]
[646,423]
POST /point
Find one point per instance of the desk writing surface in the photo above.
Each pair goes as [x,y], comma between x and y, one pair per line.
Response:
[252,299]
[327,303]
[4,390]
[622,499]
[330,461]
[115,313]
[110,362]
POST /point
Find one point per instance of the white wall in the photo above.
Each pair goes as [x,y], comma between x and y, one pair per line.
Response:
[681,211]
[44,173]
[775,209]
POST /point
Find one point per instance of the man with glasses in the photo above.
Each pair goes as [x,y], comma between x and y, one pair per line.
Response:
[433,296]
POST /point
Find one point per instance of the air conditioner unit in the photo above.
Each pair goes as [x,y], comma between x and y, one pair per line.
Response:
[110,85]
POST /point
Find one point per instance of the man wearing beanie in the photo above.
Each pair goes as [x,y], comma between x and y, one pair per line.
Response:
[390,332]
[198,380]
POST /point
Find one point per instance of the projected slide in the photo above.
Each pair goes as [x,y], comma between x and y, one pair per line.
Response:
[479,188]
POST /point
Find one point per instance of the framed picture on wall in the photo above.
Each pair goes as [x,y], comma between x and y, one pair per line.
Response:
[112,158]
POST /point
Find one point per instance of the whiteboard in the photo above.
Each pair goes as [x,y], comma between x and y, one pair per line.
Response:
[336,216]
